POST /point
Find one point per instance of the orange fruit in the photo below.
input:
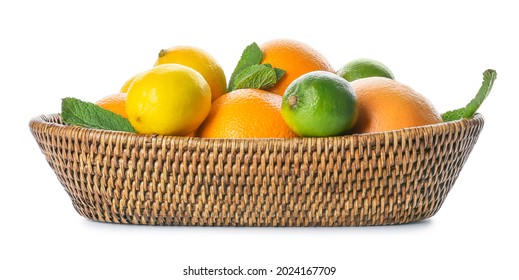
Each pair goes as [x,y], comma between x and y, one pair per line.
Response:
[385,104]
[115,103]
[245,113]
[295,57]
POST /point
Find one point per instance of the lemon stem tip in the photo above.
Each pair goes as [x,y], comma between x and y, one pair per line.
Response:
[162,52]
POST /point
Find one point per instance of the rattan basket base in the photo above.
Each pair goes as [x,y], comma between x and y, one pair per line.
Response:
[374,179]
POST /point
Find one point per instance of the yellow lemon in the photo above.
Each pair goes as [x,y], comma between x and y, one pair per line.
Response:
[199,60]
[169,99]
[127,84]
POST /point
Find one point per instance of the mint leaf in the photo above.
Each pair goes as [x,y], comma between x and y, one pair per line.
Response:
[453,115]
[86,114]
[256,76]
[252,55]
[279,73]
[489,76]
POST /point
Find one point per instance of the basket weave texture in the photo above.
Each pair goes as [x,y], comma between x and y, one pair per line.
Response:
[384,178]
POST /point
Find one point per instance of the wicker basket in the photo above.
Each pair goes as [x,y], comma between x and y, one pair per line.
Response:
[385,178]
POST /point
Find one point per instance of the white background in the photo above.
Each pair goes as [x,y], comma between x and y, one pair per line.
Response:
[54,49]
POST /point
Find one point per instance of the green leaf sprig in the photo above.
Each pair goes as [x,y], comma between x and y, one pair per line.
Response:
[489,76]
[90,115]
[250,73]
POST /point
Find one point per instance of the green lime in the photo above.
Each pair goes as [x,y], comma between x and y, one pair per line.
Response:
[319,104]
[364,68]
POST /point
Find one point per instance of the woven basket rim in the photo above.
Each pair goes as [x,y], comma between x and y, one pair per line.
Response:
[46,120]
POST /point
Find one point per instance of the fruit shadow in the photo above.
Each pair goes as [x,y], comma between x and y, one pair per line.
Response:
[414,226]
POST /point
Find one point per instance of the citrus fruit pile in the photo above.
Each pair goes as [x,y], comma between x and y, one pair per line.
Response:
[279,89]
